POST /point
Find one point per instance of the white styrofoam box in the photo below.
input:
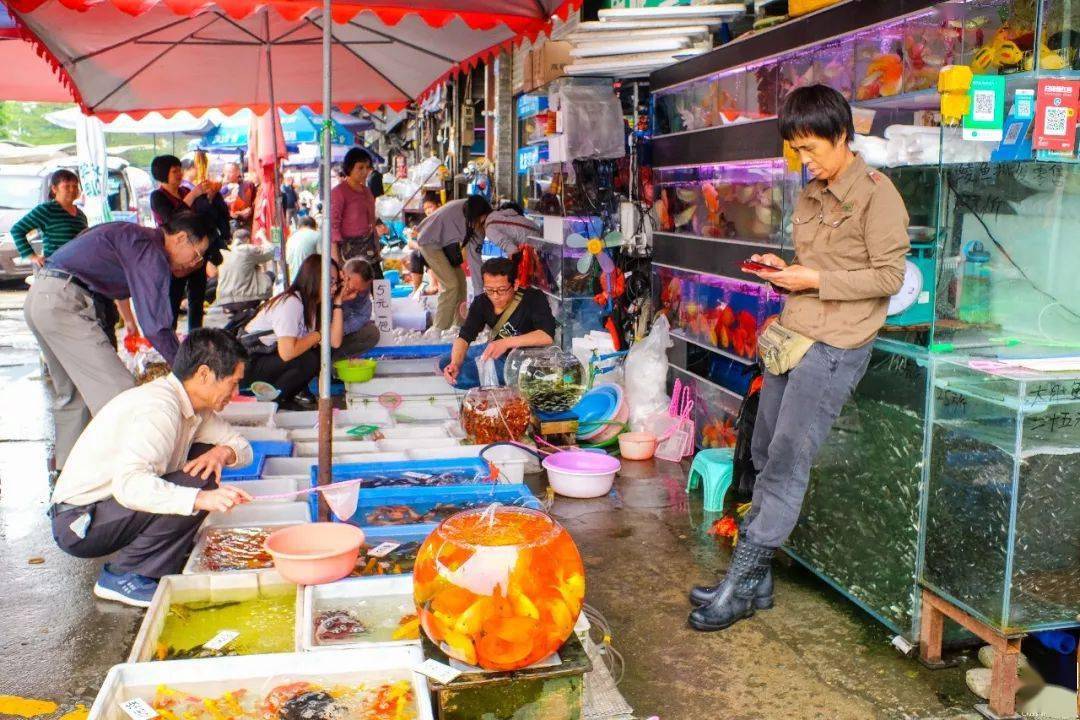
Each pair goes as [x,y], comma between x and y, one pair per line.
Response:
[512,464]
[258,414]
[262,433]
[215,676]
[292,419]
[422,385]
[312,435]
[346,590]
[260,514]
[423,412]
[208,587]
[273,486]
[340,447]
[368,414]
[449,429]
[296,466]
[416,443]
[396,368]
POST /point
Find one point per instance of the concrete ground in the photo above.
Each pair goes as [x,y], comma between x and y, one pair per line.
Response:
[814,656]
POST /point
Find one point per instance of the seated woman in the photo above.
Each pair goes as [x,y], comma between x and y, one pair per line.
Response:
[517,319]
[282,338]
[241,282]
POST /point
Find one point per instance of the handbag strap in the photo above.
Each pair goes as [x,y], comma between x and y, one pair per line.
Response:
[506,314]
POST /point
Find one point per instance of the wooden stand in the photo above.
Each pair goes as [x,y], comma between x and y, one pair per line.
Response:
[1004,682]
[559,429]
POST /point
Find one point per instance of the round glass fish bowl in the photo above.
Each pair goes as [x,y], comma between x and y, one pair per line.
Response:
[550,379]
[499,587]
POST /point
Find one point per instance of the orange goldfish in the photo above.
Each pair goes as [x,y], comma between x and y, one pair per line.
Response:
[883,77]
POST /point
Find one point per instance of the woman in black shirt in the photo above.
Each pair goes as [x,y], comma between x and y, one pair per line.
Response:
[528,323]
[166,201]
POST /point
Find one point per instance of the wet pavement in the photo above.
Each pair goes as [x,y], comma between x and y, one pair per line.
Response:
[815,655]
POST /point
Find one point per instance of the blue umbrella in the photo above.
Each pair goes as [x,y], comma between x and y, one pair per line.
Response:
[302,126]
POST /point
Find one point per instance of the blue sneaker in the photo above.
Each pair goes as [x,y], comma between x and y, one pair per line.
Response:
[128,588]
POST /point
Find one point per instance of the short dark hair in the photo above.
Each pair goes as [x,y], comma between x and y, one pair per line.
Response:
[816,110]
[431,197]
[503,267]
[354,156]
[188,222]
[61,176]
[308,222]
[161,165]
[216,349]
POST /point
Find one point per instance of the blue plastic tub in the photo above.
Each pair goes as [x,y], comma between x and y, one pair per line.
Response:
[407,352]
[272,448]
[248,472]
[337,388]
[401,291]
[423,499]
[475,471]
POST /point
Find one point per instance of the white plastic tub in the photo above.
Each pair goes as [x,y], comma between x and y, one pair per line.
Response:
[417,443]
[260,514]
[423,412]
[350,589]
[250,414]
[419,385]
[340,447]
[273,486]
[511,463]
[215,676]
[297,466]
[262,433]
[208,587]
[312,434]
[412,432]
[416,366]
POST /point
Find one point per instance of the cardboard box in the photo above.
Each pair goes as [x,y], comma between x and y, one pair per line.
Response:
[549,59]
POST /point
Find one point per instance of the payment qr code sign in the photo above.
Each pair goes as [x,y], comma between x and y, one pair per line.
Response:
[982,105]
[985,118]
[1056,115]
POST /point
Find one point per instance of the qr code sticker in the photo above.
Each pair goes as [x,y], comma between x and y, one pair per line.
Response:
[1012,134]
[983,102]
[1056,121]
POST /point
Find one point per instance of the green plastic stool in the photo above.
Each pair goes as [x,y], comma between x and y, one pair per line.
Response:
[712,468]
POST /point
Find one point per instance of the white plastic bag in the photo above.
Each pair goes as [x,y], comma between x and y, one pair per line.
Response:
[388,207]
[592,122]
[646,375]
[489,376]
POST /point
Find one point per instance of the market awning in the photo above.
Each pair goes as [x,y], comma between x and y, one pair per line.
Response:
[26,76]
[302,126]
[182,123]
[135,56]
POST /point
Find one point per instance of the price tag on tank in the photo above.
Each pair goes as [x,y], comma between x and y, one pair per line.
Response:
[138,709]
[219,641]
[437,671]
[383,549]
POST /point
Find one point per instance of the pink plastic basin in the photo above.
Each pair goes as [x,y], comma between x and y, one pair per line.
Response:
[315,553]
[581,474]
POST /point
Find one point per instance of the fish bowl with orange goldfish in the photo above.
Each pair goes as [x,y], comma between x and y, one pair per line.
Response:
[499,587]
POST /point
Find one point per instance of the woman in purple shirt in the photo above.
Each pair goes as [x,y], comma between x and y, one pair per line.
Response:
[352,213]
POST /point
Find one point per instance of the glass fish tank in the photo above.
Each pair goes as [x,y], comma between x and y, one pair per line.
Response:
[860,525]
[879,65]
[742,201]
[715,411]
[1002,536]
[931,41]
[360,684]
[500,588]
[718,312]
[796,71]
[205,616]
[834,65]
[1060,47]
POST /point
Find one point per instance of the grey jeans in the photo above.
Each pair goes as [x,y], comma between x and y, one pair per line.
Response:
[86,372]
[356,344]
[795,414]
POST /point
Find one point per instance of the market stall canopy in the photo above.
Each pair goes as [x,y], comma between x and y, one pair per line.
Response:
[136,56]
[26,76]
[182,123]
[300,127]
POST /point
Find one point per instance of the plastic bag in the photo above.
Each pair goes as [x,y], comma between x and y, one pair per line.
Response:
[388,207]
[592,122]
[646,375]
[489,375]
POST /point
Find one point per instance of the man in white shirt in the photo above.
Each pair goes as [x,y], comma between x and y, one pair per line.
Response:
[146,470]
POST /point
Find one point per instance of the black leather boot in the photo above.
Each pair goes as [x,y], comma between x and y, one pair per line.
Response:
[763,596]
[735,598]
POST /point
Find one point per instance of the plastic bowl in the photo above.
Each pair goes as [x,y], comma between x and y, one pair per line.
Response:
[581,474]
[358,370]
[612,429]
[596,407]
[315,553]
[637,445]
[264,391]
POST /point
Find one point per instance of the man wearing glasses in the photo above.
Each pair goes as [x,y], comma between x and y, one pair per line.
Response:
[64,309]
[517,318]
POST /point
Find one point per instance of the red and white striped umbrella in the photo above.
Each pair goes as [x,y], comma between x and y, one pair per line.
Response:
[136,56]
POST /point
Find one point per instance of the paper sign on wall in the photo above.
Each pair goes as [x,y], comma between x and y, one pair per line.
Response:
[384,317]
[986,116]
[1055,115]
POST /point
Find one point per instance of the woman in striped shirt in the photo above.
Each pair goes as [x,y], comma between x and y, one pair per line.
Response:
[56,220]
